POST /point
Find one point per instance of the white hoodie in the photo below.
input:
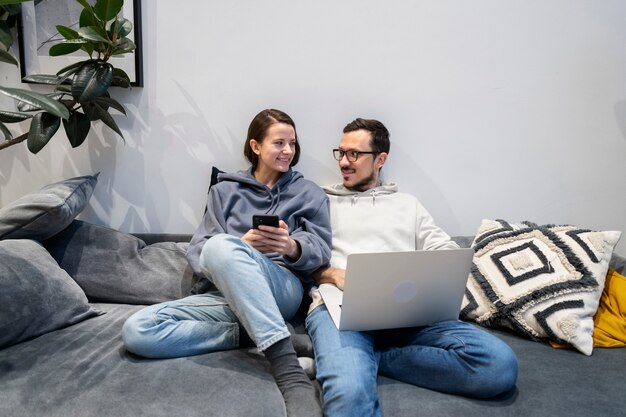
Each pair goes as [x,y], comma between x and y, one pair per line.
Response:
[380,220]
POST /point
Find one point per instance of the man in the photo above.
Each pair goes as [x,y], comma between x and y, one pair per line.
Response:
[369,216]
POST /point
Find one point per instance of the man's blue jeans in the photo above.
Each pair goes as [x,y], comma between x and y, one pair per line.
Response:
[254,293]
[452,357]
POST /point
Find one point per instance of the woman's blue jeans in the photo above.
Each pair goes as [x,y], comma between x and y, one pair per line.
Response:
[254,293]
[452,357]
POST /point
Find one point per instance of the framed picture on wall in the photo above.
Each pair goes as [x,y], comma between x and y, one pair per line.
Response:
[37,33]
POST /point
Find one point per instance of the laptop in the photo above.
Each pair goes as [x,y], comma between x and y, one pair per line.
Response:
[389,290]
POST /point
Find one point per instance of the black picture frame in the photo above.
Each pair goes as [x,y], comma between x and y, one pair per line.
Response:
[34,61]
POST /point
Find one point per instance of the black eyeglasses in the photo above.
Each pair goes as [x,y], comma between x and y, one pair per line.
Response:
[351,155]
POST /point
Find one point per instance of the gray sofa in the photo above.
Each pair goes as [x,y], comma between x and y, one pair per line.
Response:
[67,358]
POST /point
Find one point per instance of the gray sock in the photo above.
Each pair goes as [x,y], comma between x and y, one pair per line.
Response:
[298,392]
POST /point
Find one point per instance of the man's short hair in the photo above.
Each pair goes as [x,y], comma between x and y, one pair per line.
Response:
[380,134]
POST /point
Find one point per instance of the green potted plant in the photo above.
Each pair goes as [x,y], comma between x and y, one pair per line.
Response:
[80,93]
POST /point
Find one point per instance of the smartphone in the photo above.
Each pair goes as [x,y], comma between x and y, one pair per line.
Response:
[264,219]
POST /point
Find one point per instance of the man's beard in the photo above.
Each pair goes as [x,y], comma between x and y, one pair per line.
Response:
[366,183]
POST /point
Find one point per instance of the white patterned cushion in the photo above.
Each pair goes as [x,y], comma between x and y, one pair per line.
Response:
[542,281]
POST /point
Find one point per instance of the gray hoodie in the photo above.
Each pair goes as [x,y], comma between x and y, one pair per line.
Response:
[298,202]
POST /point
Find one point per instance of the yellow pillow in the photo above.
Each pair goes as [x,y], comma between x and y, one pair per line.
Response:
[610,319]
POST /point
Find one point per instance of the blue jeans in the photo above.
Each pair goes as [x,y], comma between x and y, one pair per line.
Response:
[254,293]
[452,357]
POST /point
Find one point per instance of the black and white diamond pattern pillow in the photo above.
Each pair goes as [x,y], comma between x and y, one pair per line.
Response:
[542,281]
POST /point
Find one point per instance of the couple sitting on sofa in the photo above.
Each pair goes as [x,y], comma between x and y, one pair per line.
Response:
[261,275]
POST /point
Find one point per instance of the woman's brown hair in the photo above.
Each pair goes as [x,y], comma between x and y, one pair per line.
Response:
[258,130]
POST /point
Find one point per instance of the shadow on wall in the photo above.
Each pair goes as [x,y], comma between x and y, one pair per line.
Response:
[141,189]
[58,161]
[9,157]
[138,187]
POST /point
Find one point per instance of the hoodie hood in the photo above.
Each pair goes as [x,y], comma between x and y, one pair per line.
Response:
[340,190]
[246,177]
[271,195]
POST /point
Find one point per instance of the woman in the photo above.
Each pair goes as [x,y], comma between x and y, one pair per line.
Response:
[258,272]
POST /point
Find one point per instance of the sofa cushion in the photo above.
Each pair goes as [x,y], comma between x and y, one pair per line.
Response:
[116,267]
[36,296]
[41,214]
[542,281]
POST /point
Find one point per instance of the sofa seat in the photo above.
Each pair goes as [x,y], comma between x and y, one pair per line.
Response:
[84,371]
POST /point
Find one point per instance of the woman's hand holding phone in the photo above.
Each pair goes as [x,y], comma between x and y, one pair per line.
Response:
[267,239]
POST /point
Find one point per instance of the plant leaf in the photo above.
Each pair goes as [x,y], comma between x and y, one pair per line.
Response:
[42,128]
[120,82]
[25,107]
[5,35]
[123,46]
[78,40]
[108,120]
[123,27]
[77,127]
[66,48]
[13,117]
[94,34]
[89,108]
[67,33]
[89,48]
[105,102]
[118,72]
[84,4]
[68,103]
[12,18]
[92,81]
[108,9]
[42,79]
[70,69]
[7,57]
[5,131]
[87,16]
[95,112]
[37,100]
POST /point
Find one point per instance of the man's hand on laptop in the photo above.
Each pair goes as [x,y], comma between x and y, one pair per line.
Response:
[334,276]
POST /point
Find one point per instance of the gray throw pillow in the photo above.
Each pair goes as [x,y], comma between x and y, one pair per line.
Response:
[42,214]
[116,267]
[36,296]
[618,263]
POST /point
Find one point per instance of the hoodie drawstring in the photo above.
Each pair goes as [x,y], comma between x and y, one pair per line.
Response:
[275,202]
[356,196]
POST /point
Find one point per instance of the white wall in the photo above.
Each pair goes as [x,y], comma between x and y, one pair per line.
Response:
[497,109]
